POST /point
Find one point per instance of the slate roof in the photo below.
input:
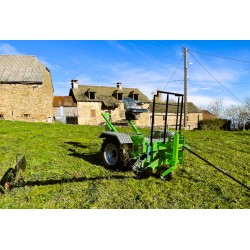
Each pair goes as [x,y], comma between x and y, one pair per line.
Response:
[161,108]
[105,94]
[21,69]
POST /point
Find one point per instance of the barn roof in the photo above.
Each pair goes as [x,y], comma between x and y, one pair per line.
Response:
[104,94]
[65,101]
[21,69]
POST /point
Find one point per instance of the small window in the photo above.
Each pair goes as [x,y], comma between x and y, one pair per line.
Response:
[1,116]
[92,95]
[136,97]
[92,113]
[26,115]
[119,96]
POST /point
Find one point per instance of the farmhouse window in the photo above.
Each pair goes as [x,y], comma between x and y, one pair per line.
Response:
[119,96]
[92,95]
[92,113]
[1,116]
[26,115]
[134,96]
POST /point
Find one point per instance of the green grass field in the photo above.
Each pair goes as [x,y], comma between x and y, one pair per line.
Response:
[64,170]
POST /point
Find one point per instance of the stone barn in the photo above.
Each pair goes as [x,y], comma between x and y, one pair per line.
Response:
[26,89]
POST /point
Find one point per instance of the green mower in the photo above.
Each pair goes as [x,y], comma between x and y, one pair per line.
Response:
[160,153]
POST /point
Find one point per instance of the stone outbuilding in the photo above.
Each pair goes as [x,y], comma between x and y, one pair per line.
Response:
[194,115]
[26,89]
[65,109]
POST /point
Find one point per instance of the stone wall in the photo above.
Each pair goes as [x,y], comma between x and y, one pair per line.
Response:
[89,113]
[27,102]
[193,119]
[145,120]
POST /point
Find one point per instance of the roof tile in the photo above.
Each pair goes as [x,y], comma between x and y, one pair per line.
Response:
[21,68]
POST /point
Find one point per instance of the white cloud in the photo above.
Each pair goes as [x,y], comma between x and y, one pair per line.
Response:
[204,100]
[84,79]
[50,66]
[220,74]
[6,48]
[117,45]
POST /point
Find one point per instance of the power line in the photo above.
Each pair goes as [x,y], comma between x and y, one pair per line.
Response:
[214,77]
[221,82]
[173,74]
[228,58]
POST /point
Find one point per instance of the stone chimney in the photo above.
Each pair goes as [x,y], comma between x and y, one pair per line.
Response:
[119,85]
[74,84]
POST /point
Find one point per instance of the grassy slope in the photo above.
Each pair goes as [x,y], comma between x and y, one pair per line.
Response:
[64,170]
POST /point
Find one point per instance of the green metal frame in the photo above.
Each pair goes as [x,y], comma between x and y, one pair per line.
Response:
[150,153]
[107,116]
[160,153]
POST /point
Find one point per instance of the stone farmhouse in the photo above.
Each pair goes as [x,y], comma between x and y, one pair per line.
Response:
[93,100]
[26,89]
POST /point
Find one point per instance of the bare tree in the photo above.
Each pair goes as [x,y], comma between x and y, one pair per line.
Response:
[243,117]
[239,114]
[216,107]
[247,107]
[233,112]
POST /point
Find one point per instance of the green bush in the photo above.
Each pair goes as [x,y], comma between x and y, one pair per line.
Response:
[214,124]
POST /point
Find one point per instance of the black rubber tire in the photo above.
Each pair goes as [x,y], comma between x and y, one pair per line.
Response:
[160,170]
[115,156]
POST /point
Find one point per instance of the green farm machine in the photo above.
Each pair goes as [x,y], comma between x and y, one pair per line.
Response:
[159,153]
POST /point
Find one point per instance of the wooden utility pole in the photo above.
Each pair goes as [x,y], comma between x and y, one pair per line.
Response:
[185,87]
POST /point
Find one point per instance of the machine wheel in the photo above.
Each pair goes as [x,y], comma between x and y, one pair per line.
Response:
[160,170]
[115,155]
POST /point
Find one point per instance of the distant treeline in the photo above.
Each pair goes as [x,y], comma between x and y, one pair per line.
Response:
[220,124]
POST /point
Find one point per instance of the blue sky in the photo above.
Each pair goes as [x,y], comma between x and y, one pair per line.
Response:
[146,64]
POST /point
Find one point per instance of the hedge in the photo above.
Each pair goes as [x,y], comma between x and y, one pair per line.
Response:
[214,124]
